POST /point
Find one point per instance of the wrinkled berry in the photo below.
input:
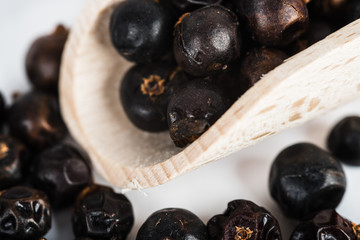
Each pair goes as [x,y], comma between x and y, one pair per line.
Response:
[100,213]
[183,6]
[24,213]
[173,223]
[43,60]
[207,40]
[14,158]
[305,179]
[141,30]
[273,22]
[193,108]
[326,225]
[61,172]
[35,119]
[244,220]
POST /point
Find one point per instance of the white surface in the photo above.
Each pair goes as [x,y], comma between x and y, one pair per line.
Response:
[204,191]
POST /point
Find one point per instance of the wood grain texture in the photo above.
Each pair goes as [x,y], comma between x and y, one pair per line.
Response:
[303,87]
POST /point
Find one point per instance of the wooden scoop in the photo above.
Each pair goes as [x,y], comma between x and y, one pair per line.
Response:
[303,87]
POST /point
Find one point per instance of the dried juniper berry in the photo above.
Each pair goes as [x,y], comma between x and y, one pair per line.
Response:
[333,11]
[145,92]
[141,30]
[61,172]
[258,62]
[273,22]
[35,119]
[43,60]
[326,225]
[344,140]
[207,40]
[24,213]
[173,223]
[100,213]
[305,179]
[193,108]
[14,159]
[244,220]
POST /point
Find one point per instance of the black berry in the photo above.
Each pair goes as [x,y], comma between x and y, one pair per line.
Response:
[24,213]
[61,172]
[344,140]
[43,60]
[145,92]
[193,108]
[35,119]
[173,223]
[207,40]
[14,159]
[100,213]
[244,220]
[305,179]
[327,224]
[273,22]
[141,30]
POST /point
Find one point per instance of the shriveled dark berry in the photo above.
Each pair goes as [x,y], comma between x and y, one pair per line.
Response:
[24,213]
[183,6]
[259,62]
[344,140]
[35,119]
[100,213]
[173,223]
[305,179]
[207,40]
[61,172]
[145,92]
[141,30]
[244,220]
[14,158]
[43,60]
[193,108]
[273,22]
[326,225]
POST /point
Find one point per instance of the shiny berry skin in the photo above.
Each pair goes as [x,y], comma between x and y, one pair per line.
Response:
[173,223]
[100,213]
[207,40]
[14,158]
[344,140]
[44,58]
[325,225]
[24,213]
[244,220]
[61,172]
[141,30]
[305,179]
[193,108]
[273,22]
[35,119]
[145,92]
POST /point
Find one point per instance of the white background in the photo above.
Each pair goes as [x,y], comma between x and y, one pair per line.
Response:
[205,191]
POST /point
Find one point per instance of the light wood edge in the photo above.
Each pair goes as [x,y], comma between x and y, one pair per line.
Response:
[228,134]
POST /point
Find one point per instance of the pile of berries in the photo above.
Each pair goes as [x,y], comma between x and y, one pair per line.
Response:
[195,58]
